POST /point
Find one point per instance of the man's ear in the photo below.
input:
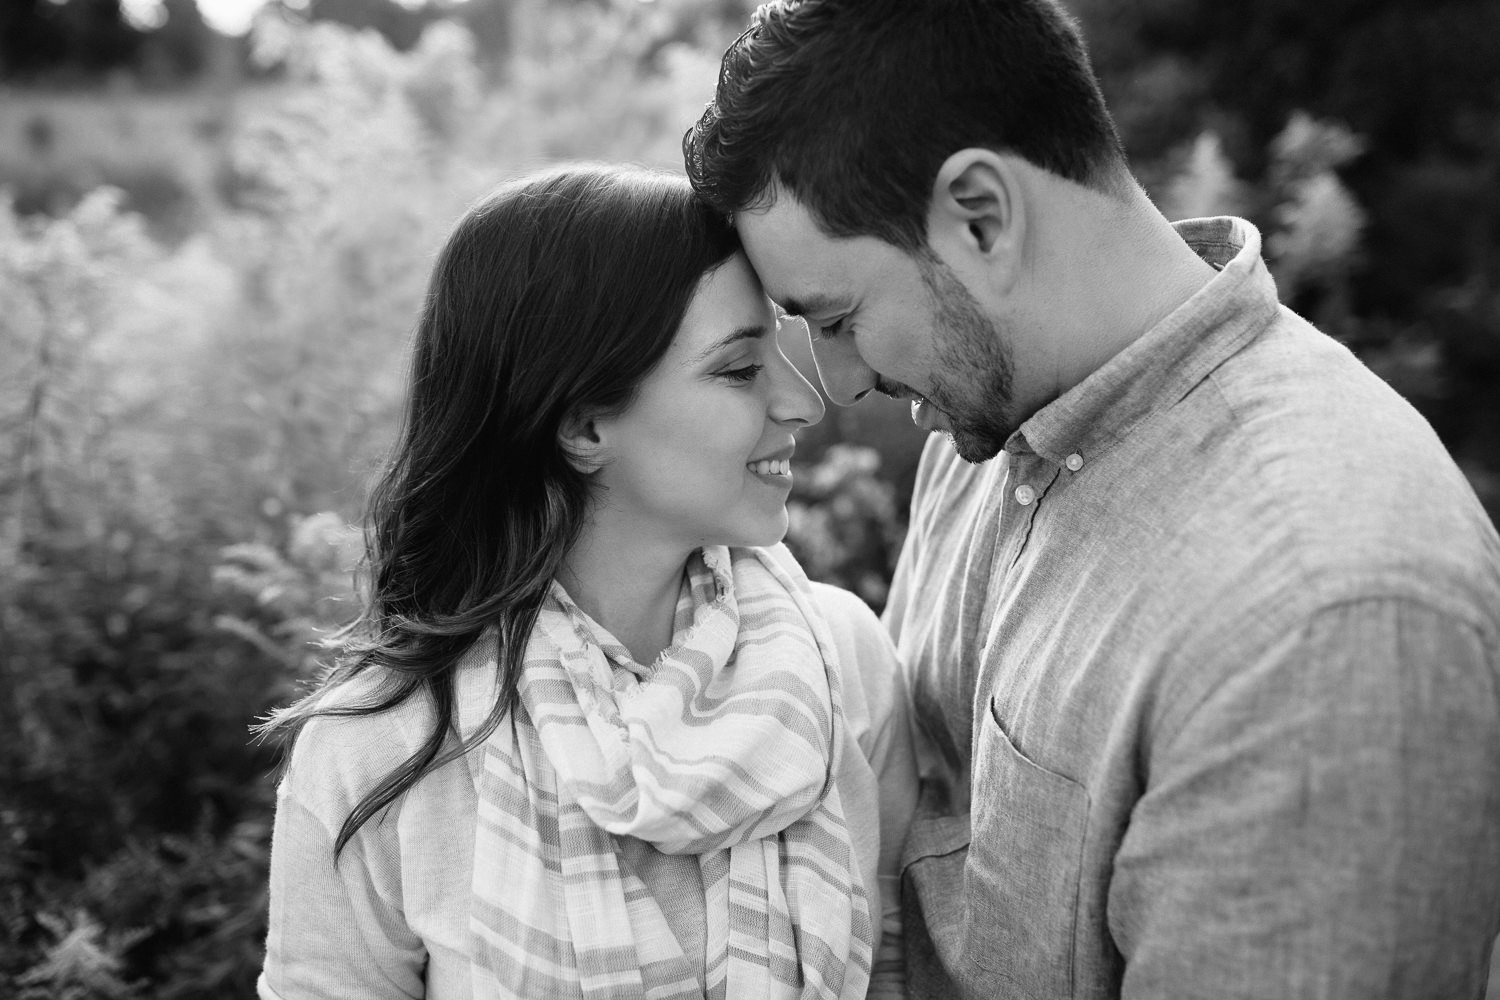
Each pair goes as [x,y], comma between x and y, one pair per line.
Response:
[582,443]
[977,211]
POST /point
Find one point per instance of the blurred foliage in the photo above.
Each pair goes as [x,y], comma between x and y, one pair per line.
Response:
[208,295]
[844,526]
[1363,137]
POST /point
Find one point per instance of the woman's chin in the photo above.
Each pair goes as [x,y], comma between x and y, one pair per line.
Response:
[776,531]
[758,535]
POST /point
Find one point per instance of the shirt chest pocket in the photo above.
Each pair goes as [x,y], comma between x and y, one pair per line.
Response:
[1022,876]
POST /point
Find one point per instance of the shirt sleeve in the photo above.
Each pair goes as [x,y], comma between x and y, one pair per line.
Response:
[1325,822]
[336,928]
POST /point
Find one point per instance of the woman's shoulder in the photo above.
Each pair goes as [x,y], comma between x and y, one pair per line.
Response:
[862,640]
[339,755]
[350,747]
[847,614]
[839,606]
[866,655]
[875,696]
[854,627]
[351,722]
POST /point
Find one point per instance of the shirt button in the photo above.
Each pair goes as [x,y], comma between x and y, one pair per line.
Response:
[1074,461]
[1025,495]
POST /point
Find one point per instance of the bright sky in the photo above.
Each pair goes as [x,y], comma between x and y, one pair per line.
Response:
[232,17]
[229,17]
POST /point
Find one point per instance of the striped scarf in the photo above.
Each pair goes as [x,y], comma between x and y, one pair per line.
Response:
[724,748]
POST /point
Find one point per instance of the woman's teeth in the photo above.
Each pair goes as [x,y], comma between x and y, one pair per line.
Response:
[772,467]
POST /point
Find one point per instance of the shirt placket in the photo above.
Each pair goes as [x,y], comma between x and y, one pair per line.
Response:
[1026,484]
[1027,479]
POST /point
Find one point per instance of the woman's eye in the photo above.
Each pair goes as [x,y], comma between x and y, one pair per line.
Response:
[745,374]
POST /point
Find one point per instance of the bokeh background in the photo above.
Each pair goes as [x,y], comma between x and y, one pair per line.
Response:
[216,221]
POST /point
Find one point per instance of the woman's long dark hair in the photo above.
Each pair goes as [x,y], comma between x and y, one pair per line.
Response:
[554,296]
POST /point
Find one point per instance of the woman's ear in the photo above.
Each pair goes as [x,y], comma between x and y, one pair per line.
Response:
[582,443]
[977,212]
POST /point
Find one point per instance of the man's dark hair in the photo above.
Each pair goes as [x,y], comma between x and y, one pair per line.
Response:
[853,105]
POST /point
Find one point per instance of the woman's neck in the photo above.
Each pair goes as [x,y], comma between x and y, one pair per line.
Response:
[629,585]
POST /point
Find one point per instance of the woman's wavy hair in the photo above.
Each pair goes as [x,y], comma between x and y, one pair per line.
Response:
[554,296]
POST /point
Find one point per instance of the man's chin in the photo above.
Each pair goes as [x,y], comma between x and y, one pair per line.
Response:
[970,451]
[974,446]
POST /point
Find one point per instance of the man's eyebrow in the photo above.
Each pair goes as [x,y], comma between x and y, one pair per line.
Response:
[754,332]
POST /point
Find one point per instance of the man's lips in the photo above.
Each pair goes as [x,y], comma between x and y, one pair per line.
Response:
[924,412]
[895,390]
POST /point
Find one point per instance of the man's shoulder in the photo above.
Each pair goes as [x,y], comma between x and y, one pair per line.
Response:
[1338,472]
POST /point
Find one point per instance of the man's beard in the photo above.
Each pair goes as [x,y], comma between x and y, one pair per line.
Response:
[972,381]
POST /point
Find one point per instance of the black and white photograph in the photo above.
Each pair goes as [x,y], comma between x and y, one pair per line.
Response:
[734,500]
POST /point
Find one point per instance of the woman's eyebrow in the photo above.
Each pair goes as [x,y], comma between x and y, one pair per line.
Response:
[754,332]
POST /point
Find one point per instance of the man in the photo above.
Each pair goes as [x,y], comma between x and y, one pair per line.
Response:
[1203,645]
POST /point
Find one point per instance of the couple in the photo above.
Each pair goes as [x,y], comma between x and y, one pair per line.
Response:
[1197,623]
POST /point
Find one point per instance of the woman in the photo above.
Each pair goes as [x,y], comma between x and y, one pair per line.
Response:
[591,736]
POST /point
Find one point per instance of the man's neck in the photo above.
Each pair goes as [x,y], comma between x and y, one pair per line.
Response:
[1115,269]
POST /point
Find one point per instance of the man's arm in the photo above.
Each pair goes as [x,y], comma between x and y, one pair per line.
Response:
[1326,822]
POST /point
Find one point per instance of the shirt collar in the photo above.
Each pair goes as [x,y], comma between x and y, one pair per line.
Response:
[1165,363]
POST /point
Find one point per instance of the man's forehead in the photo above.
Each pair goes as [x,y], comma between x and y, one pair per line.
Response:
[778,220]
[790,254]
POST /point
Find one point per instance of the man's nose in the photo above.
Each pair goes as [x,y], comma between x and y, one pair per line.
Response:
[796,401]
[845,376]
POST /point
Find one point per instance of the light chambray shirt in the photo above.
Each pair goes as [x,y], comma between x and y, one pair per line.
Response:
[1205,670]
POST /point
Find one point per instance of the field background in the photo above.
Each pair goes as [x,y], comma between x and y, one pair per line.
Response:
[212,250]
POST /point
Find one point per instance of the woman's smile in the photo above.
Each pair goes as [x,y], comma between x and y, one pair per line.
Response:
[775,468]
